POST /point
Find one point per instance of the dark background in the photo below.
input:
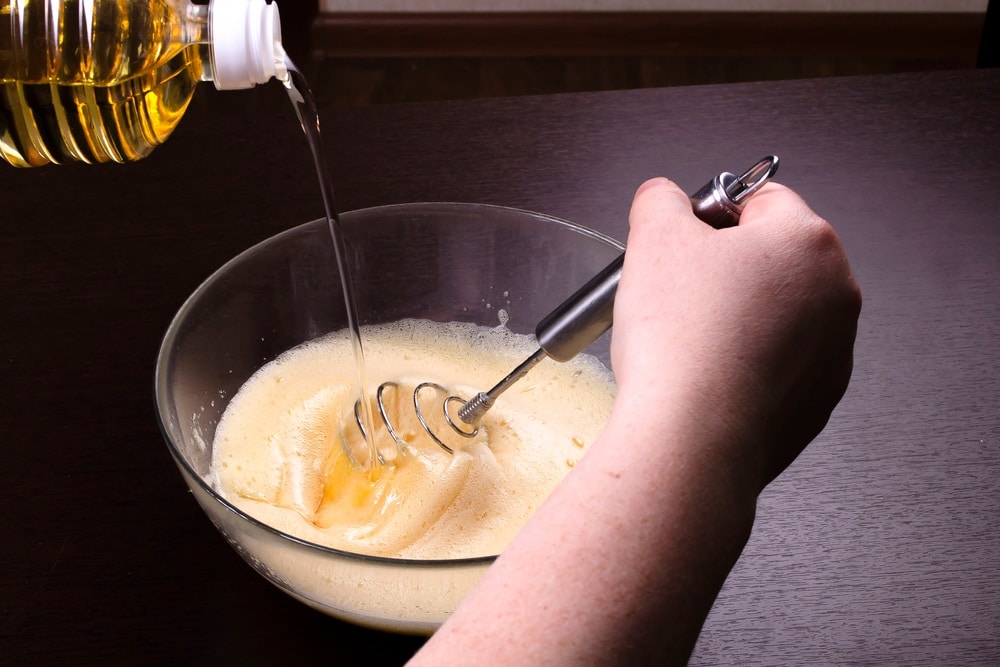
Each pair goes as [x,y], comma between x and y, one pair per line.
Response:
[374,58]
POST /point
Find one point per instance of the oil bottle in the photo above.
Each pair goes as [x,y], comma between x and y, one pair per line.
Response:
[108,80]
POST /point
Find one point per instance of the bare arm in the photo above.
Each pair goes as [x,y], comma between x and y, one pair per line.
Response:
[730,350]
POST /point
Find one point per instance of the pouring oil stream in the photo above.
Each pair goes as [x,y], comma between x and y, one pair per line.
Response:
[305,109]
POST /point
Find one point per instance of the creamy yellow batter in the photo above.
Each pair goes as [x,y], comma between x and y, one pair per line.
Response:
[281,449]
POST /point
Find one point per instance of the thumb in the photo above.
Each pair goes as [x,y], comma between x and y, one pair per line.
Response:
[660,207]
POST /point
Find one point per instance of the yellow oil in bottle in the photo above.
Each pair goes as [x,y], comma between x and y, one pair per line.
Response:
[95,80]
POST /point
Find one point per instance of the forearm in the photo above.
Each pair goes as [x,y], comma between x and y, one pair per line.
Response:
[620,566]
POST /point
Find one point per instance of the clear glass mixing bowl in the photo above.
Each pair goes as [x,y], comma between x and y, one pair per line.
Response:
[444,262]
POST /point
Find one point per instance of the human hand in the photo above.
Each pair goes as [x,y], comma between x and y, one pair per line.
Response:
[731,348]
[747,331]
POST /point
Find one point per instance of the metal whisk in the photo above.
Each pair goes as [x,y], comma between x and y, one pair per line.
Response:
[580,319]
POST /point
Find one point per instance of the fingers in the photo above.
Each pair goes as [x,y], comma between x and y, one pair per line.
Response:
[785,220]
[776,205]
[660,202]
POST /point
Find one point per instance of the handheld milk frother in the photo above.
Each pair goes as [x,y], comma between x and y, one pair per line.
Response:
[580,319]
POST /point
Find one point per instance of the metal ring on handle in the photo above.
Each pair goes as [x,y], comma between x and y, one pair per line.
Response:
[754,178]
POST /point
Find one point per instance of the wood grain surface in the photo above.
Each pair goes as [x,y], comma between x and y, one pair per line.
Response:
[880,546]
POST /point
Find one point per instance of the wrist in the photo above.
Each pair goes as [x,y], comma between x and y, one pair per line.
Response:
[692,434]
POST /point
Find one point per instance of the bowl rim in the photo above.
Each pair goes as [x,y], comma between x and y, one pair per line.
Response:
[166,345]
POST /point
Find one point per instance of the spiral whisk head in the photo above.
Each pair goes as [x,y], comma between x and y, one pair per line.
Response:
[432,411]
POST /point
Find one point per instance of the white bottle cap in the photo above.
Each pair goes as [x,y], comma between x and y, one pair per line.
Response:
[246,46]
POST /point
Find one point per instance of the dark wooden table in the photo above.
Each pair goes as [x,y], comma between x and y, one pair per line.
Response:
[880,546]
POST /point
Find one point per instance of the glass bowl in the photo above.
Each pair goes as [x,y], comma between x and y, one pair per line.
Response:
[438,261]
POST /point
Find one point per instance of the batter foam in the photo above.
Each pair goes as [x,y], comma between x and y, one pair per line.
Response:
[281,449]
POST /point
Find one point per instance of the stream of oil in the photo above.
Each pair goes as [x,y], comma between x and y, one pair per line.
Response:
[305,108]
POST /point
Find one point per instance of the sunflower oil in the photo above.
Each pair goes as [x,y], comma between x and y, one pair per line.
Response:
[109,80]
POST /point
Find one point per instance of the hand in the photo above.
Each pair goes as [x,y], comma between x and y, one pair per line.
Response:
[749,331]
[731,348]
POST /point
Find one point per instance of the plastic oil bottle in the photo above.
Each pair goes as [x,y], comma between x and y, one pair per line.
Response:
[108,80]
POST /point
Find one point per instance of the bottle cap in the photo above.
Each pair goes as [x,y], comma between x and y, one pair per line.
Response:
[246,46]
